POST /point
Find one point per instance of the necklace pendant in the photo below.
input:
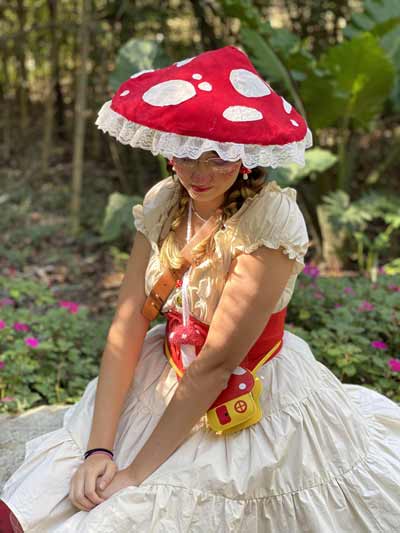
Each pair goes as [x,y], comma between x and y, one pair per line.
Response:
[197,215]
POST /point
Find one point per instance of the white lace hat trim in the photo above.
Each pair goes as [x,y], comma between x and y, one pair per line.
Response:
[172,144]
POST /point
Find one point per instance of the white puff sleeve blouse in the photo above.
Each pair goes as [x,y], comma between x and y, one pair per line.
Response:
[272,218]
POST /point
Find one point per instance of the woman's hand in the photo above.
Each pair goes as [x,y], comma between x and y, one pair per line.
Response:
[123,478]
[85,483]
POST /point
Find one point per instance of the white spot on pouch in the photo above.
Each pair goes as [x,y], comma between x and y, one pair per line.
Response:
[239,371]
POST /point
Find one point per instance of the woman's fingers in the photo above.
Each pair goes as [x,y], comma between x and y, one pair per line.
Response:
[108,475]
[78,497]
[90,489]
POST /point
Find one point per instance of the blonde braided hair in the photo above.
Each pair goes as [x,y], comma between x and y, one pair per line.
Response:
[234,198]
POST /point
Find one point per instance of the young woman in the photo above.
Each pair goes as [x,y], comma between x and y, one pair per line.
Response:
[217,419]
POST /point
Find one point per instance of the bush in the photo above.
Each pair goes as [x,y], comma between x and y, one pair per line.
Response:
[352,326]
[49,348]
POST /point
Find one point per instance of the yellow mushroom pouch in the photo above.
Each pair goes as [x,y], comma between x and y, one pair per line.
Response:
[237,407]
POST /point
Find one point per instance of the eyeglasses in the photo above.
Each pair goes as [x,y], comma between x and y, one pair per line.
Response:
[215,164]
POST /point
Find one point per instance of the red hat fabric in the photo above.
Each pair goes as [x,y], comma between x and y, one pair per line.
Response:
[213,101]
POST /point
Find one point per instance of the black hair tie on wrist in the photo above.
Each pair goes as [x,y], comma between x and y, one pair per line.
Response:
[89,452]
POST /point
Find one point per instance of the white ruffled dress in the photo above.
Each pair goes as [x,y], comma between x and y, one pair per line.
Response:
[325,457]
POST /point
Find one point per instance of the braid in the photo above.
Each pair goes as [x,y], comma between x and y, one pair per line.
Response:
[234,199]
[169,254]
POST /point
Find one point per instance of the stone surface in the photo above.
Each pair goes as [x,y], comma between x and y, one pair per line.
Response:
[15,431]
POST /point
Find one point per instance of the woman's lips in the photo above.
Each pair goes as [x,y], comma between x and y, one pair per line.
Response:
[200,189]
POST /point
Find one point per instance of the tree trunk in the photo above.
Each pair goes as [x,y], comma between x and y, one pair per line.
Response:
[332,241]
[80,116]
[208,37]
[22,74]
[6,105]
[50,100]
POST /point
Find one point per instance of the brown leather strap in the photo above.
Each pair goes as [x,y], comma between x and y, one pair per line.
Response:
[161,290]
[166,283]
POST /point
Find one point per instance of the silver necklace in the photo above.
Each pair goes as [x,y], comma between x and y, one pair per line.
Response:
[197,215]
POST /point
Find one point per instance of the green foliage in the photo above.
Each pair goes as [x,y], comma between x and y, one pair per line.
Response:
[353,80]
[268,62]
[378,17]
[317,161]
[381,18]
[137,55]
[118,215]
[67,354]
[393,267]
[243,10]
[368,222]
[340,337]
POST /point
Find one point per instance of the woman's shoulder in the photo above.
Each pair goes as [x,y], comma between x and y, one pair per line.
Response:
[271,198]
[150,214]
[274,219]
[270,202]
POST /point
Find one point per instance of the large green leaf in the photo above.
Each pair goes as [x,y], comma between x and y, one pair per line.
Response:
[269,64]
[137,55]
[378,17]
[382,18]
[243,10]
[118,215]
[356,78]
[317,160]
[391,43]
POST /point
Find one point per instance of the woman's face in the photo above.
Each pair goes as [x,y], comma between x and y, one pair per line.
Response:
[208,177]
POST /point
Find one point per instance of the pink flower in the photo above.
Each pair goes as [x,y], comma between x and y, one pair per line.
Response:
[73,307]
[33,342]
[319,295]
[394,288]
[8,399]
[380,345]
[394,364]
[348,290]
[6,301]
[2,324]
[2,364]
[338,305]
[311,270]
[20,326]
[366,306]
[381,270]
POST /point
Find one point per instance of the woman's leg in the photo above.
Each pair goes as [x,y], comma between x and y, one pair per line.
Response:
[8,520]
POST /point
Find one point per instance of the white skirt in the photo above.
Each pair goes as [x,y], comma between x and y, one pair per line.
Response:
[325,458]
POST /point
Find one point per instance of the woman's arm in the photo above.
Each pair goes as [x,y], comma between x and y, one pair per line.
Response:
[253,288]
[122,350]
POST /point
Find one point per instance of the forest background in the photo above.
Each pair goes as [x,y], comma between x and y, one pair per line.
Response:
[67,189]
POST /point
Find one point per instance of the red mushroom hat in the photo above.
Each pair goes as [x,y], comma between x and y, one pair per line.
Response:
[213,101]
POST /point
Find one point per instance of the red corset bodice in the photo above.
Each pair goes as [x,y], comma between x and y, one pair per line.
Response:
[196,333]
